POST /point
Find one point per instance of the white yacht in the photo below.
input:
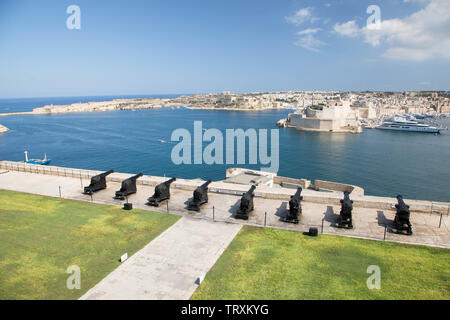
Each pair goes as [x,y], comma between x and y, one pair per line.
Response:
[401,123]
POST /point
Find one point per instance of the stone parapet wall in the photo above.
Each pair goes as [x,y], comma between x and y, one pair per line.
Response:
[328,185]
[282,194]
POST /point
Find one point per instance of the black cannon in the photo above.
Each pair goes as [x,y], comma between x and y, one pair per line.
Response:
[345,217]
[162,192]
[401,220]
[200,197]
[128,187]
[246,205]
[295,207]
[98,183]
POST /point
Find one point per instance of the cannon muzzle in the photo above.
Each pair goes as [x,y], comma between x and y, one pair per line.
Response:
[169,182]
[107,173]
[135,177]
[298,194]
[206,184]
[250,191]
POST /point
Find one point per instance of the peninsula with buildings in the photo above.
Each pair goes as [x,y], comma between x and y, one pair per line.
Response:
[330,111]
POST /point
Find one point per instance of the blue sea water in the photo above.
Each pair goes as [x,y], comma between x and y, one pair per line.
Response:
[382,162]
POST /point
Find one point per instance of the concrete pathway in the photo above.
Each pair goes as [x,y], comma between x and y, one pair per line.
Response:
[168,267]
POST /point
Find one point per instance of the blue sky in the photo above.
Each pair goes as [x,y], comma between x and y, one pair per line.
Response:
[151,47]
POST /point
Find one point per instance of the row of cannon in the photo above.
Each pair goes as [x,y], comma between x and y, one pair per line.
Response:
[401,223]
[162,190]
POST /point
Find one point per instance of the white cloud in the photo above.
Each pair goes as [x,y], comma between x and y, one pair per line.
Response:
[307,39]
[301,16]
[421,36]
[309,42]
[308,31]
[349,28]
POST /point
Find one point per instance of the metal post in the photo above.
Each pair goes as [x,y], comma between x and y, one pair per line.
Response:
[167,206]
[322,224]
[440,221]
[385,229]
[265,218]
[60,191]
[213,213]
[92,200]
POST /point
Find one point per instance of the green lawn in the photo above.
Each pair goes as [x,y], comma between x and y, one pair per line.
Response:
[277,264]
[40,237]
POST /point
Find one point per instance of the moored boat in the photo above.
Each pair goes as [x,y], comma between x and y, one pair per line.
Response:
[44,161]
[399,123]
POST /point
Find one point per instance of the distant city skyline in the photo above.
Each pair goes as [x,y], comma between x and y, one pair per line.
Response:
[174,47]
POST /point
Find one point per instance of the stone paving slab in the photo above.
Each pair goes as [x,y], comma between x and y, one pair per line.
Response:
[368,222]
[168,267]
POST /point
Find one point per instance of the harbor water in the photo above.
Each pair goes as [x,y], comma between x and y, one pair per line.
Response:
[384,163]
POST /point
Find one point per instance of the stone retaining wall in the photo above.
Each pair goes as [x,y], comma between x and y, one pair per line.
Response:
[282,194]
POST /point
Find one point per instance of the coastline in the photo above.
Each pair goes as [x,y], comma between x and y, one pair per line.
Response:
[127,104]
[251,109]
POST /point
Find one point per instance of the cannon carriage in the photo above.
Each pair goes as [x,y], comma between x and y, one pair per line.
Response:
[162,193]
[345,216]
[295,208]
[246,205]
[98,183]
[402,224]
[200,197]
[128,187]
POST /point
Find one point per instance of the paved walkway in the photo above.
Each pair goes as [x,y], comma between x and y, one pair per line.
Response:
[168,267]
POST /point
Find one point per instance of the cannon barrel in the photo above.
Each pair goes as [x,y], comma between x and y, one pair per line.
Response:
[104,174]
[135,177]
[205,185]
[250,191]
[400,201]
[298,194]
[346,196]
[168,182]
